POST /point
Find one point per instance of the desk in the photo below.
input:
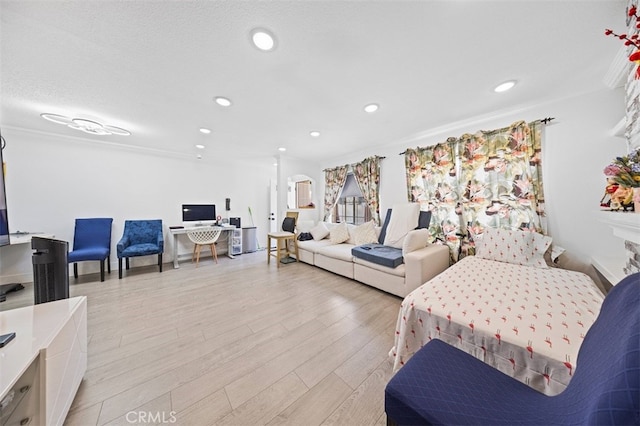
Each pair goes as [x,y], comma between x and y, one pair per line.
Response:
[17,240]
[179,231]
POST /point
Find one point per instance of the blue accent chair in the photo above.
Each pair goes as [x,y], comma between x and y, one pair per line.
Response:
[92,241]
[140,238]
[443,385]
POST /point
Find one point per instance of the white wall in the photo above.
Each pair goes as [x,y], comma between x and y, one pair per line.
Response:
[578,144]
[52,180]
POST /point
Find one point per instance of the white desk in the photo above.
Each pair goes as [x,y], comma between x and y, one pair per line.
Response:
[179,231]
[24,238]
[15,258]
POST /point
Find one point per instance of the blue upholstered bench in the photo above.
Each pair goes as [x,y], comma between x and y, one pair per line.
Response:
[443,385]
[379,254]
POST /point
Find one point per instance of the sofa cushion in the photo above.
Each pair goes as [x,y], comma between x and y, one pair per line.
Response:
[404,218]
[337,251]
[319,232]
[398,271]
[313,245]
[383,230]
[387,256]
[365,234]
[424,220]
[415,240]
[339,234]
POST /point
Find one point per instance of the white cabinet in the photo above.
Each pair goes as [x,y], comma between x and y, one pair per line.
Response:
[42,367]
[235,242]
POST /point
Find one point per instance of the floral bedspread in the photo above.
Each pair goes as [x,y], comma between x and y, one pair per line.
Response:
[527,322]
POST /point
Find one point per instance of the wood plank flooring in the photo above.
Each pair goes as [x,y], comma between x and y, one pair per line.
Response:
[234,343]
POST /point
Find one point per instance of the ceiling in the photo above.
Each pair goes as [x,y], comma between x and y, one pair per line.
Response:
[154,67]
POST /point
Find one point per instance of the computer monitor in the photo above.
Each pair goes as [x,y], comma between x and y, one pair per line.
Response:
[198,214]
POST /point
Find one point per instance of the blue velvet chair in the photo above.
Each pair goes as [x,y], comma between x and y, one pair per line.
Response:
[443,385]
[92,241]
[140,238]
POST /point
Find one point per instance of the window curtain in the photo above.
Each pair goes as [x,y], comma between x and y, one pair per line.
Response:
[333,182]
[487,179]
[367,173]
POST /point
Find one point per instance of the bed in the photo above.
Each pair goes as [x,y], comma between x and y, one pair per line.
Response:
[526,321]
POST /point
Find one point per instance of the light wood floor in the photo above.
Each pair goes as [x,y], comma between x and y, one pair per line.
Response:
[237,343]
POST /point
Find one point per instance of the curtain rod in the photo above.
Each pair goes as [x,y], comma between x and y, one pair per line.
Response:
[353,164]
[546,120]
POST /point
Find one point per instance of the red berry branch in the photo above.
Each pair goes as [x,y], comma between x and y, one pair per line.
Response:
[633,40]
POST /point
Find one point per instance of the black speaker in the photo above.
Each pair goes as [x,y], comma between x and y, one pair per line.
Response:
[235,221]
[228,204]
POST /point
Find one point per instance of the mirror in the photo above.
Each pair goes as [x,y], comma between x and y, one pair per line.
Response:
[300,192]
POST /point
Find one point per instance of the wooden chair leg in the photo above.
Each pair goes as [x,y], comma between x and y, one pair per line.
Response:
[268,249]
[193,254]
[295,246]
[279,252]
[198,254]
[214,253]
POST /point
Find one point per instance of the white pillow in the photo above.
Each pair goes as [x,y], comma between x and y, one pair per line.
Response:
[415,240]
[339,234]
[365,234]
[513,246]
[404,218]
[319,231]
[352,229]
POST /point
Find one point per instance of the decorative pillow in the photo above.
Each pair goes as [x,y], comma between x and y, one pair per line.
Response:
[415,240]
[513,246]
[404,218]
[365,234]
[319,231]
[352,229]
[339,234]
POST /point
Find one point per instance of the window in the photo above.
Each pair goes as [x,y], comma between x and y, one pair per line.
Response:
[351,206]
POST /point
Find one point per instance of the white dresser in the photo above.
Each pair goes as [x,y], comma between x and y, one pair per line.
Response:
[42,367]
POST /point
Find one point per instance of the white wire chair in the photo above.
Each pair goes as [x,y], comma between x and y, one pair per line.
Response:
[204,237]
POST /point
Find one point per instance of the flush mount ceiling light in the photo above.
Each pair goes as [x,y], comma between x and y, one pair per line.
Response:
[282,149]
[222,101]
[200,146]
[205,131]
[88,126]
[371,108]
[263,39]
[314,134]
[503,87]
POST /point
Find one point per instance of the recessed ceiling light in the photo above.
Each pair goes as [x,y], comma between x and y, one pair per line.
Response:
[263,39]
[222,101]
[200,146]
[199,157]
[282,149]
[205,131]
[371,108]
[275,164]
[503,87]
[314,133]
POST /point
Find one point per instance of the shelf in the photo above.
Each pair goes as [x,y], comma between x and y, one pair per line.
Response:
[610,267]
[624,225]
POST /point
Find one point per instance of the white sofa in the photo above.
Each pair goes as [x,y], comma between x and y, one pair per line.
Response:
[419,265]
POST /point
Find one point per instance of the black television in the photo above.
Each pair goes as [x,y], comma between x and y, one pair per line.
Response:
[198,213]
[4,218]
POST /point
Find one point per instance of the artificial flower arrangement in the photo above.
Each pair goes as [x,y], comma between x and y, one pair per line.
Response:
[631,40]
[623,174]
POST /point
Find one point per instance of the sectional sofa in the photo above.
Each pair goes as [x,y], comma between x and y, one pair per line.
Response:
[420,261]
